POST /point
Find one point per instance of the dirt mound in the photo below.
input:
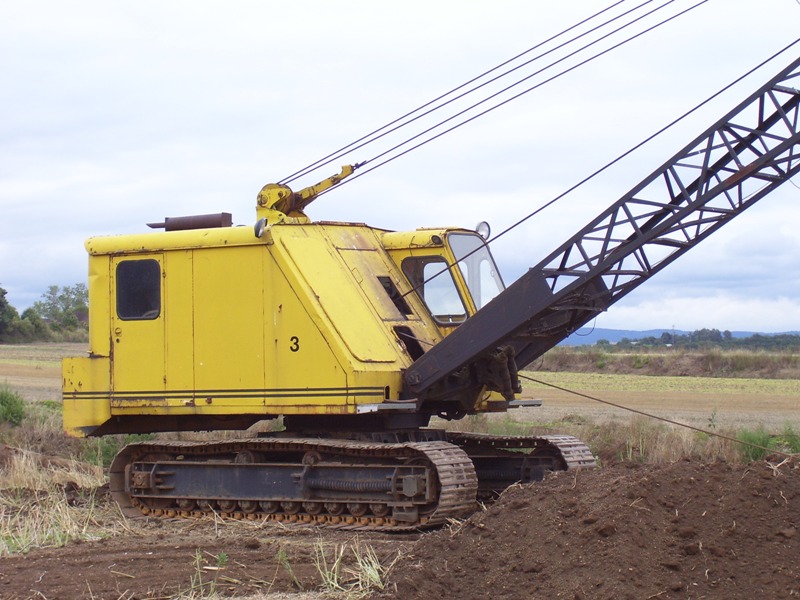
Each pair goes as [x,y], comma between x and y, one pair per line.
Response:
[680,531]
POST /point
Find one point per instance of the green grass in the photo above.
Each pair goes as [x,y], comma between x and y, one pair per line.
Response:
[756,443]
[789,439]
[12,406]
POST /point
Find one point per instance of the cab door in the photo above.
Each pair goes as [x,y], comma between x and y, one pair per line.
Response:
[137,325]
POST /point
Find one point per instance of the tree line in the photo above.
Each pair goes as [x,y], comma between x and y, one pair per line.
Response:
[713,338]
[61,315]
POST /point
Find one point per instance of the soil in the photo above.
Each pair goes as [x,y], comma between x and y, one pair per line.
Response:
[685,530]
[189,558]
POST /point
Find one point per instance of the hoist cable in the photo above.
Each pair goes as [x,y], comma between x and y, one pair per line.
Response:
[515,97]
[615,160]
[366,138]
[646,140]
[385,130]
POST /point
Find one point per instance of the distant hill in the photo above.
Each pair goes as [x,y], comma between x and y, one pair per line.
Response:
[587,336]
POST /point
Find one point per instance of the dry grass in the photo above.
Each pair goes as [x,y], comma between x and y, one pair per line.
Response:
[48,502]
[594,408]
[637,438]
[712,362]
[28,470]
[351,570]
[643,440]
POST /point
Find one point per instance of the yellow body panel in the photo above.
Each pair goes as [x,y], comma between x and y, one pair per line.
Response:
[81,407]
[295,322]
[228,318]
[178,321]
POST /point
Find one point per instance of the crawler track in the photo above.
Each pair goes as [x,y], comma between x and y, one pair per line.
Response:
[334,483]
[337,483]
[502,460]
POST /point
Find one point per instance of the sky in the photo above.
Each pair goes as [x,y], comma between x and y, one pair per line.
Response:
[119,114]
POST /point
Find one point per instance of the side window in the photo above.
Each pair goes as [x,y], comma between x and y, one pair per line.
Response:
[434,283]
[138,289]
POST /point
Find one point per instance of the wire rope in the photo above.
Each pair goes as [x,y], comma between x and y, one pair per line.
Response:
[507,100]
[357,143]
[388,129]
[615,160]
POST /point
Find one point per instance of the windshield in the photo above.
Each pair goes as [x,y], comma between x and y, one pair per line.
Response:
[478,268]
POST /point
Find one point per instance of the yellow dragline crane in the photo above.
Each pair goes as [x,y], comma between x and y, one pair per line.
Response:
[357,336]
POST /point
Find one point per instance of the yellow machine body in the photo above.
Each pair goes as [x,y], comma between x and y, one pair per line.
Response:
[219,328]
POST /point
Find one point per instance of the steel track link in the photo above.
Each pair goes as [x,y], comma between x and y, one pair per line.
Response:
[503,460]
[574,453]
[457,482]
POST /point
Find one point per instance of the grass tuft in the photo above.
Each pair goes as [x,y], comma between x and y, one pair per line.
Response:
[203,581]
[353,575]
[756,444]
[330,569]
[790,439]
[282,558]
[47,504]
[12,406]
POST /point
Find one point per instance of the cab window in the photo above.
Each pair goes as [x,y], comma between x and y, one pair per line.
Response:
[138,289]
[433,281]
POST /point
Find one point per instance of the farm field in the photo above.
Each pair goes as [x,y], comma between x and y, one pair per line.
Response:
[649,523]
[34,370]
[729,402]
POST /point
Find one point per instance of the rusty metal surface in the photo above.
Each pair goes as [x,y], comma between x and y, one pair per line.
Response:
[208,221]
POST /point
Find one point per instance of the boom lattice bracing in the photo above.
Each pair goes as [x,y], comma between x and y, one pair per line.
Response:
[736,162]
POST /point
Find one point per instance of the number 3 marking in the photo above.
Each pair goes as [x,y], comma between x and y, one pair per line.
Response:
[295,343]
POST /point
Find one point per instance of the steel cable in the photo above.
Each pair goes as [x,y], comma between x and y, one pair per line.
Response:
[515,97]
[617,159]
[382,131]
